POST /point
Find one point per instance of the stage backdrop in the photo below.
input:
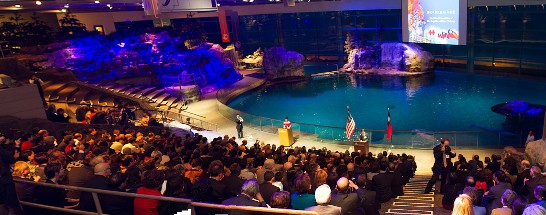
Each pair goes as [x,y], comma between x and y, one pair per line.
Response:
[434,21]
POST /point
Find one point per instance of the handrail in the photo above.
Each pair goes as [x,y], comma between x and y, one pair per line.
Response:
[134,195]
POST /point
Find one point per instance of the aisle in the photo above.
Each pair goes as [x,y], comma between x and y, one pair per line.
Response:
[414,202]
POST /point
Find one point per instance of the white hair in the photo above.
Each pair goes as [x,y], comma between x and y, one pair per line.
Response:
[322,194]
[534,210]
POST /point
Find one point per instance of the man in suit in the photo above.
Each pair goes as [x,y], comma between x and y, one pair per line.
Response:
[396,186]
[98,181]
[267,188]
[215,182]
[233,182]
[442,162]
[382,183]
[507,199]
[529,187]
[492,198]
[344,198]
[523,175]
[8,196]
[323,197]
[250,196]
[239,126]
[368,202]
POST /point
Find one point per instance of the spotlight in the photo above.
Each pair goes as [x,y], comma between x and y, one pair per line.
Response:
[63,10]
[97,2]
[245,0]
[38,3]
[18,6]
[218,5]
[66,6]
[250,1]
[108,5]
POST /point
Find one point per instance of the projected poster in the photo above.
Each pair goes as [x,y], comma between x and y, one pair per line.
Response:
[434,21]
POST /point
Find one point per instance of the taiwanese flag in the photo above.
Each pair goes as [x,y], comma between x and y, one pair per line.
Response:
[389,126]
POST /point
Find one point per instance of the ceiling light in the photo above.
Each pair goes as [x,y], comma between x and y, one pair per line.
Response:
[97,2]
[38,3]
[18,6]
[63,10]
[66,6]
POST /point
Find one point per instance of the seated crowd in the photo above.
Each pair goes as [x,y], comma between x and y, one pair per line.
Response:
[497,188]
[218,171]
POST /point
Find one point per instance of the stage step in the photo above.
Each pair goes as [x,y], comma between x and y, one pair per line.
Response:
[414,201]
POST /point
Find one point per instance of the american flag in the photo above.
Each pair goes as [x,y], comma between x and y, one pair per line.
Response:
[350,126]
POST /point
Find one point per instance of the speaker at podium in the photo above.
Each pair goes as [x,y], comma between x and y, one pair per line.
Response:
[286,137]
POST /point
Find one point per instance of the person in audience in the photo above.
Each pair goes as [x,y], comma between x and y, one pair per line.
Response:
[442,162]
[463,205]
[117,204]
[524,175]
[215,182]
[48,195]
[323,197]
[151,183]
[269,165]
[280,199]
[233,182]
[475,161]
[345,196]
[250,196]
[382,183]
[540,195]
[279,180]
[451,190]
[507,199]
[79,172]
[534,210]
[98,181]
[396,185]
[473,194]
[175,188]
[492,198]
[41,160]
[369,204]
[302,199]
[530,185]
[267,188]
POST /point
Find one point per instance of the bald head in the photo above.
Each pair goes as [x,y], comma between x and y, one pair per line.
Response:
[287,165]
[102,169]
[343,184]
[351,167]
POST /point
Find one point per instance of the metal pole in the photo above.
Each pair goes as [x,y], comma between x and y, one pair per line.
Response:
[544,127]
[97,203]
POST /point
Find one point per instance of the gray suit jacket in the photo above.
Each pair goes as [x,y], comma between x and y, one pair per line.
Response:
[325,209]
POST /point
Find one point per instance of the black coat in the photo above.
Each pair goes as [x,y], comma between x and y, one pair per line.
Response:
[439,159]
[86,199]
[348,202]
[529,187]
[518,185]
[233,185]
[493,198]
[267,189]
[396,186]
[368,202]
[243,200]
[382,184]
[7,187]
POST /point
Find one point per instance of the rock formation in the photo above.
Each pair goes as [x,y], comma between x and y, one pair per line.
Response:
[536,152]
[279,63]
[390,57]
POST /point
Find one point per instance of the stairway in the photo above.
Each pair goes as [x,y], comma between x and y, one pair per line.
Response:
[414,202]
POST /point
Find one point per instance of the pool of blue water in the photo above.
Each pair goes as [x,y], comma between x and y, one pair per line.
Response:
[443,101]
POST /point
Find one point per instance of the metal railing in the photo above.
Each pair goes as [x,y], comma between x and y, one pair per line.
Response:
[187,202]
[400,138]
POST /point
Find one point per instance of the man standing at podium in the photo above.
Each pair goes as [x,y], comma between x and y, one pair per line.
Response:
[239,126]
[286,124]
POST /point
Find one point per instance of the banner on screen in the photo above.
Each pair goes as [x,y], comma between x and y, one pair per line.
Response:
[434,21]
[185,5]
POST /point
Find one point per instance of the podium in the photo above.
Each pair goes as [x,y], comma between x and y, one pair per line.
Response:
[363,146]
[286,137]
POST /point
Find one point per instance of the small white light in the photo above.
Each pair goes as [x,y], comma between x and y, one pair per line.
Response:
[108,5]
[18,6]
[38,3]
[66,6]
[63,10]
[218,5]
[97,2]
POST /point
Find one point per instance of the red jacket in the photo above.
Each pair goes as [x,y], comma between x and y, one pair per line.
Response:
[147,206]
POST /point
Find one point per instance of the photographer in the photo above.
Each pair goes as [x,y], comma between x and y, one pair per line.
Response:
[345,197]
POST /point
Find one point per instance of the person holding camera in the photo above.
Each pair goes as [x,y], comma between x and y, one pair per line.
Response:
[345,197]
[442,162]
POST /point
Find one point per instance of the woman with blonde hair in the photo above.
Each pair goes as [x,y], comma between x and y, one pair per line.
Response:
[463,205]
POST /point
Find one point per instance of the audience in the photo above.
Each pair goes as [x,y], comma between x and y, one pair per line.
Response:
[507,199]
[250,196]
